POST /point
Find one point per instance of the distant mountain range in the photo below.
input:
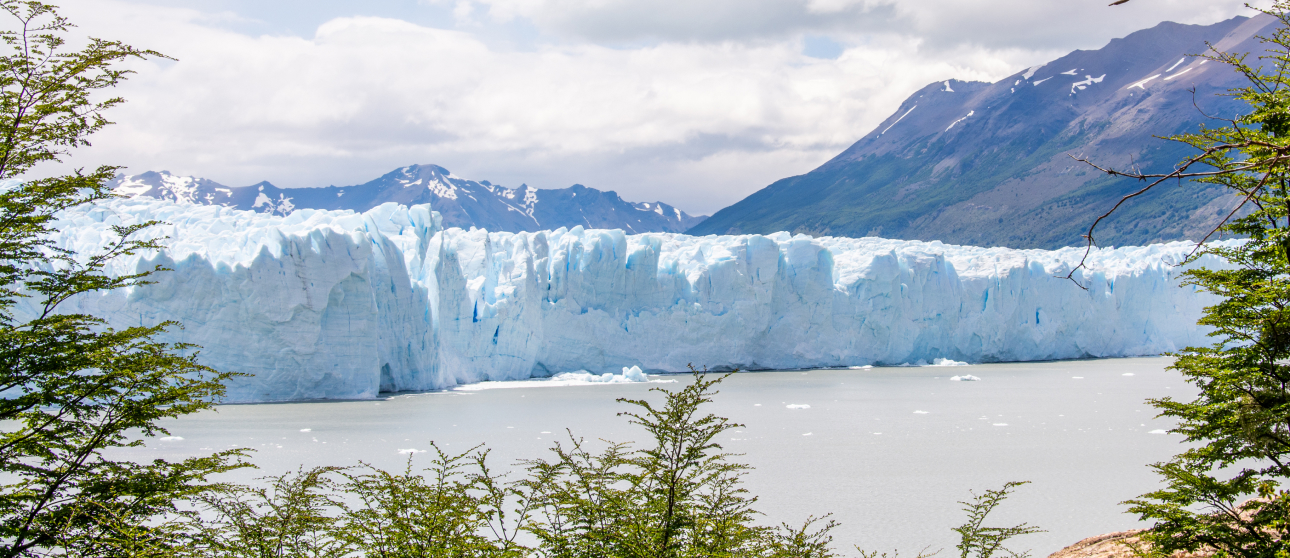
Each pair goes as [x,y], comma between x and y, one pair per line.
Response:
[989,164]
[463,203]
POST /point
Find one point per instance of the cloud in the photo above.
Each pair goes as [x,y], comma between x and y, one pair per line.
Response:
[940,24]
[697,123]
[624,21]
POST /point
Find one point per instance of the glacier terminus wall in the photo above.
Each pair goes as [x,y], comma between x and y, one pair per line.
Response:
[336,304]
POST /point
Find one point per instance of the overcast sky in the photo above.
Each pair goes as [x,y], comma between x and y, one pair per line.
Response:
[697,103]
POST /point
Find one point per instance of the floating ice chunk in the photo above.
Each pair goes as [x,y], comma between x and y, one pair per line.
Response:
[965,378]
[1127,374]
[634,374]
[807,434]
[629,375]
[410,451]
[171,439]
[865,367]
[947,362]
[935,362]
[306,430]
[1077,377]
[1158,431]
[796,406]
[1000,424]
[920,412]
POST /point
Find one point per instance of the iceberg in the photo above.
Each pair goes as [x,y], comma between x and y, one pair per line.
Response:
[339,304]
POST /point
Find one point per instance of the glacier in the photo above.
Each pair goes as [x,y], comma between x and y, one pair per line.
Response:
[346,305]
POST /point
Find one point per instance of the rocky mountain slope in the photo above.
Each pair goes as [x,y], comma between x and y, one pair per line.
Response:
[463,203]
[990,164]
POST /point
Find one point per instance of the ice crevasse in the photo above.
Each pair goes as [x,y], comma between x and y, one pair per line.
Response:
[337,304]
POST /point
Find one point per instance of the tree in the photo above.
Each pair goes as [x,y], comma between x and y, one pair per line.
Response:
[979,541]
[1226,492]
[680,496]
[70,386]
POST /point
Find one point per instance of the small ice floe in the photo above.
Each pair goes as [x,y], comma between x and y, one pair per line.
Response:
[1127,374]
[630,375]
[410,451]
[796,406]
[171,439]
[1158,431]
[306,430]
[807,434]
[965,378]
[1077,377]
[935,362]
[920,412]
[1000,424]
[865,367]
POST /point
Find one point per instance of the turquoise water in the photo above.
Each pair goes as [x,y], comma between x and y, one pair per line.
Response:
[889,451]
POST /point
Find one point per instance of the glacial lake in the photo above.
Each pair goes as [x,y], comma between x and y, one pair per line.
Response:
[888,451]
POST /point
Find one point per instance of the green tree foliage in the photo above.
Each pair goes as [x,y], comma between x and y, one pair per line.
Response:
[457,509]
[678,496]
[979,541]
[71,388]
[1226,492]
[292,515]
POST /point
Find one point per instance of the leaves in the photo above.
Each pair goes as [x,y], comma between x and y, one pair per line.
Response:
[73,387]
[1221,492]
[979,541]
[680,496]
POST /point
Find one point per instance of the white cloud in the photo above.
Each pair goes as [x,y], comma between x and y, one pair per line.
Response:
[941,23]
[696,123]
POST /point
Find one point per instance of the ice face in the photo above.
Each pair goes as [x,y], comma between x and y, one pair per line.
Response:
[337,304]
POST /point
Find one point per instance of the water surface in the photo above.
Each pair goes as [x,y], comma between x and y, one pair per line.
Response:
[889,451]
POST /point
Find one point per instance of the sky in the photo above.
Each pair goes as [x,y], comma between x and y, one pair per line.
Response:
[696,103]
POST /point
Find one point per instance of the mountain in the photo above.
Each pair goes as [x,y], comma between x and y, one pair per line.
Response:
[463,203]
[990,164]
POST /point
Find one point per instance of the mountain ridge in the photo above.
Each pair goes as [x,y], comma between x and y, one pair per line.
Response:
[463,203]
[990,164]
